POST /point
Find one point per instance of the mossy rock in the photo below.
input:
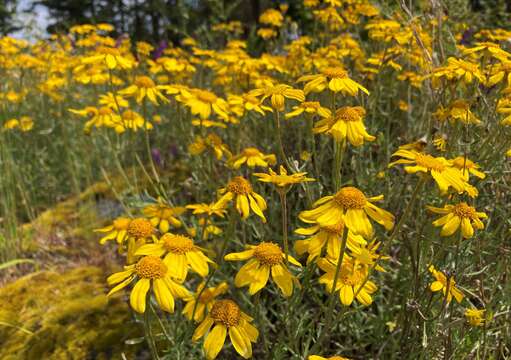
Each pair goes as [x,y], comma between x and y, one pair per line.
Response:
[48,315]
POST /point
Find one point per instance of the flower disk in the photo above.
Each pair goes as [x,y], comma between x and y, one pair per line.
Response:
[350,198]
[144,82]
[226,312]
[151,267]
[334,72]
[140,228]
[429,162]
[268,253]
[465,211]
[177,244]
[239,186]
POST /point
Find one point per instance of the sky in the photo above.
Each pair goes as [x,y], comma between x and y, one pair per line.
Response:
[33,25]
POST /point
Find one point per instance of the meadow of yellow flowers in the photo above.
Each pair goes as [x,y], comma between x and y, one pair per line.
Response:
[345,192]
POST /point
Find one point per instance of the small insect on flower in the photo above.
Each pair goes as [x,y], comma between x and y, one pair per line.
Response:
[335,78]
[352,280]
[265,258]
[330,235]
[181,254]
[446,284]
[202,299]
[148,270]
[225,317]
[440,169]
[283,179]
[163,216]
[246,198]
[346,124]
[456,215]
[350,205]
[252,157]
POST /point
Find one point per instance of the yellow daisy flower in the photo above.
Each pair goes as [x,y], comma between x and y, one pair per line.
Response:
[351,280]
[118,231]
[456,215]
[217,209]
[265,258]
[181,254]
[149,270]
[225,317]
[346,124]
[442,170]
[202,302]
[283,179]
[335,78]
[309,107]
[475,317]
[446,284]
[143,87]
[203,103]
[246,198]
[467,166]
[351,205]
[111,57]
[277,94]
[335,357]
[271,17]
[163,216]
[252,157]
[331,236]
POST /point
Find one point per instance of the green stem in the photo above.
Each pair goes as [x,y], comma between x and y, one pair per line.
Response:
[149,334]
[339,147]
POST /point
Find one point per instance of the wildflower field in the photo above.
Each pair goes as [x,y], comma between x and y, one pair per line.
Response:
[332,187]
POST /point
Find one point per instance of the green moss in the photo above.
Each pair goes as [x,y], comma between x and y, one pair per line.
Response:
[47,315]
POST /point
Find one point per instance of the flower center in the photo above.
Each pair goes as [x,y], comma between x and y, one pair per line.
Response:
[239,186]
[350,276]
[336,229]
[226,312]
[334,72]
[429,162]
[464,211]
[104,111]
[268,253]
[144,82]
[121,223]
[140,228]
[348,113]
[251,152]
[177,244]
[151,267]
[460,162]
[350,198]
[129,115]
[206,96]
[311,105]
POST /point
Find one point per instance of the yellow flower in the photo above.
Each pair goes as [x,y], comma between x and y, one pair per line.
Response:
[271,17]
[26,123]
[226,316]
[366,255]
[104,116]
[458,110]
[351,205]
[330,235]
[265,258]
[277,94]
[163,216]
[181,254]
[252,157]
[266,33]
[317,357]
[475,317]
[467,166]
[149,270]
[111,57]
[346,124]
[351,280]
[283,179]
[203,103]
[132,120]
[118,231]
[309,107]
[212,142]
[246,198]
[446,284]
[208,209]
[11,124]
[247,102]
[460,69]
[440,143]
[442,171]
[202,302]
[456,215]
[143,87]
[335,78]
